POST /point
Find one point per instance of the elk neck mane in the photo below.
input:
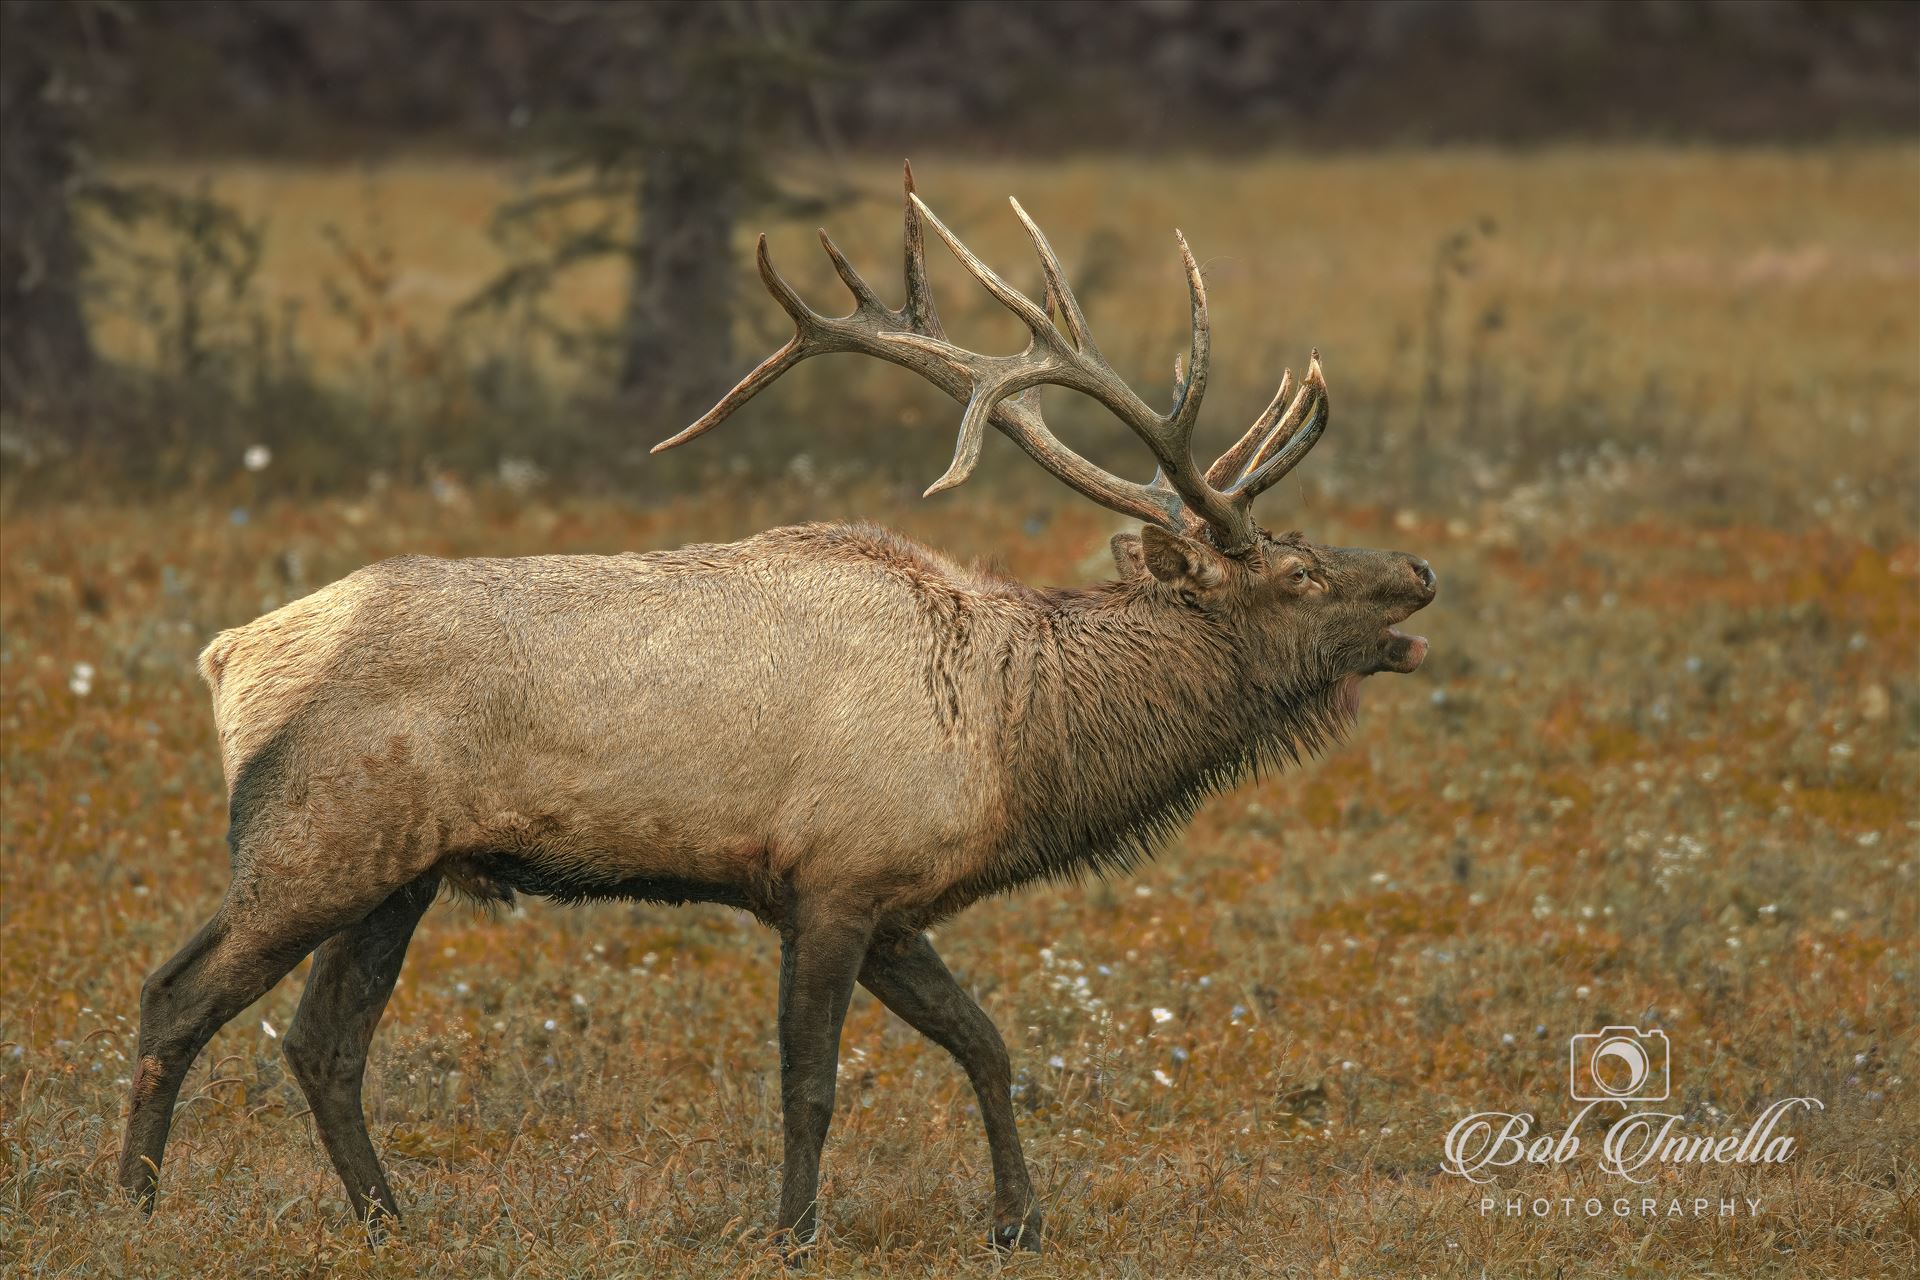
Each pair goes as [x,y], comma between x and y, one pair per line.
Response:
[1122,709]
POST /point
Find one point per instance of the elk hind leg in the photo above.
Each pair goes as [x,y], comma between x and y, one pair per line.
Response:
[911,980]
[353,975]
[239,954]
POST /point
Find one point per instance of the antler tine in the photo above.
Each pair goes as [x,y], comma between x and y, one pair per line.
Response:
[863,295]
[1230,464]
[988,393]
[804,342]
[1186,406]
[1057,288]
[1290,440]
[1009,297]
[919,311]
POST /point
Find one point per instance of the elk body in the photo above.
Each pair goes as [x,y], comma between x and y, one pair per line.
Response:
[830,726]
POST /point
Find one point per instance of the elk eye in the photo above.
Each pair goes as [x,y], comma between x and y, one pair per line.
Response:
[1299,575]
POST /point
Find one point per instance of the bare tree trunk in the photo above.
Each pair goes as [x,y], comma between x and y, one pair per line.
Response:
[45,351]
[678,332]
[699,159]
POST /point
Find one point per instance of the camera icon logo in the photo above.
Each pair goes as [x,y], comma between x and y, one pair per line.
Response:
[1619,1064]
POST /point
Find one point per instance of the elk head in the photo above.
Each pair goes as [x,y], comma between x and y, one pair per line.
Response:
[1306,615]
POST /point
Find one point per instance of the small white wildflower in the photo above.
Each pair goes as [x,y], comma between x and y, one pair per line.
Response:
[81,681]
[520,475]
[1162,1015]
[1583,992]
[551,1025]
[268,1028]
[1057,1062]
[1142,891]
[1349,1065]
[579,1001]
[1507,1038]
[257,457]
[1163,1077]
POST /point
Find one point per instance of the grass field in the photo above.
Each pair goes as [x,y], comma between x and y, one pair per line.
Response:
[1663,767]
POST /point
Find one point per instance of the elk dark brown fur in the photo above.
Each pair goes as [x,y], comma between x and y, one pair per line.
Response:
[830,726]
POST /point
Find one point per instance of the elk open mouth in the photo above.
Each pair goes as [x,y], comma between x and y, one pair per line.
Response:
[1402,652]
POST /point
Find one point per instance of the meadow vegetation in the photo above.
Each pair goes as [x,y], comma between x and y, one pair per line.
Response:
[1652,414]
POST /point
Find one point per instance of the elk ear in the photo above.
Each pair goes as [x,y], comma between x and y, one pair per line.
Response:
[1128,557]
[1181,562]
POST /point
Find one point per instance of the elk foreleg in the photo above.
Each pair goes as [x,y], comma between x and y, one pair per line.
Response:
[353,975]
[911,980]
[820,956]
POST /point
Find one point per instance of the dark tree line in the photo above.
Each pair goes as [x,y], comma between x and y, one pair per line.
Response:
[680,101]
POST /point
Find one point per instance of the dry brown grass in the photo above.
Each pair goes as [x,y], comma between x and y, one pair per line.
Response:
[1661,767]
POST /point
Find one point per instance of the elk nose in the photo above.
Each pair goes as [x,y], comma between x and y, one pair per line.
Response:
[1424,572]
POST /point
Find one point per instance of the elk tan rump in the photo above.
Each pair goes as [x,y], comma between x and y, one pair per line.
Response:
[261,674]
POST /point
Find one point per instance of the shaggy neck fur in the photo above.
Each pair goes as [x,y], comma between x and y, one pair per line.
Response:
[1132,708]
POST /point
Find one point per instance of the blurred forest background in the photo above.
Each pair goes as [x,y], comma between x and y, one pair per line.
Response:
[1620,311]
[460,235]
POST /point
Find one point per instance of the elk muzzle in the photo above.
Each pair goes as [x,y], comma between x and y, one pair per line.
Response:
[1415,589]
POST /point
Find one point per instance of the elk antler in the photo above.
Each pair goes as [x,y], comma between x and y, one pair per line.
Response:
[1003,390]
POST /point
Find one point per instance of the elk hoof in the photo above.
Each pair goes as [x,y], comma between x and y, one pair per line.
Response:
[1009,1237]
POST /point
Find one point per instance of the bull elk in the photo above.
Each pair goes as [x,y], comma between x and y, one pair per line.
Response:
[837,729]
